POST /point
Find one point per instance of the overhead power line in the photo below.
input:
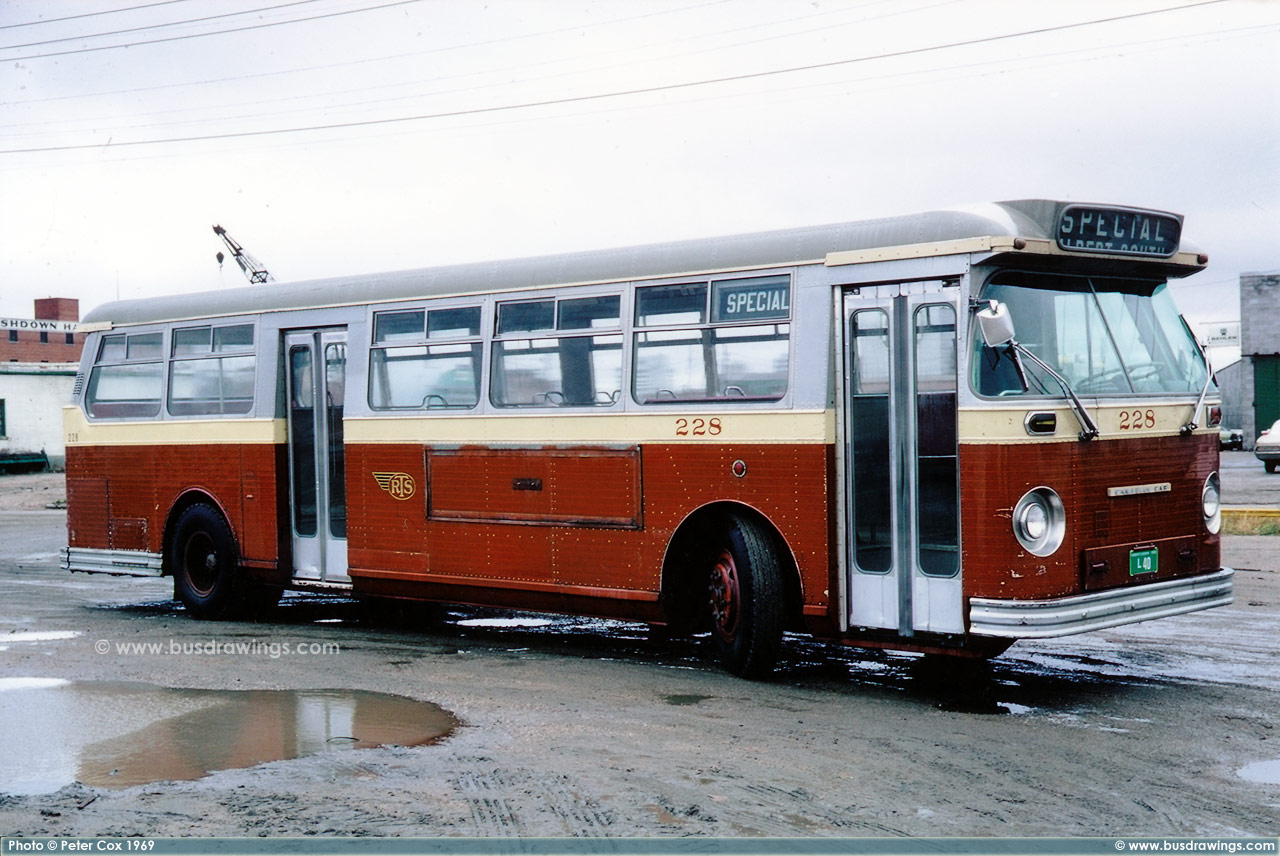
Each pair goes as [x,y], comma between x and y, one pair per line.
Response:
[366,99]
[227,31]
[335,65]
[158,26]
[91,14]
[581,99]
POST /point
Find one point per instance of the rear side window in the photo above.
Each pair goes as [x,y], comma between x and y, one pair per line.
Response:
[212,370]
[127,375]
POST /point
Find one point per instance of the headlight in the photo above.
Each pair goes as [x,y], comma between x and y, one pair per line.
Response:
[1040,521]
[1211,503]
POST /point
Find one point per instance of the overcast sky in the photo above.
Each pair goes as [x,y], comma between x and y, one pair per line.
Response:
[352,136]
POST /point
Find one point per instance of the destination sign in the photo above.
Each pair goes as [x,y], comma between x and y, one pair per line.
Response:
[1123,231]
[758,299]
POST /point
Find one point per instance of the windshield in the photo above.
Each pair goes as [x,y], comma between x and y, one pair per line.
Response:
[1105,336]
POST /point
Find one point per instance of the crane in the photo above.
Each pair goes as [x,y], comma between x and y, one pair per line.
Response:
[252,268]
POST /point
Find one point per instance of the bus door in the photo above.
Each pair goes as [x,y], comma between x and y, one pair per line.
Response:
[315,371]
[900,458]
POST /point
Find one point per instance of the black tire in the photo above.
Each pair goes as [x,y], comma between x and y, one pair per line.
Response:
[206,567]
[745,594]
[1270,466]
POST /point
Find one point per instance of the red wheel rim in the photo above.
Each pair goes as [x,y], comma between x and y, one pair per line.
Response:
[725,596]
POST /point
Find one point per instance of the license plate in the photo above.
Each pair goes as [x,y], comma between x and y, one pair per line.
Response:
[1144,561]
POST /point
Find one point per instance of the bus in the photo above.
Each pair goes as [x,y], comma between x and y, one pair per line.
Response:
[938,433]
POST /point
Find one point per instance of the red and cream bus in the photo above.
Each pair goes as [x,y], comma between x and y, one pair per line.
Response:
[832,430]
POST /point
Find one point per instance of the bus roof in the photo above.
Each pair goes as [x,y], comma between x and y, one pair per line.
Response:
[1032,219]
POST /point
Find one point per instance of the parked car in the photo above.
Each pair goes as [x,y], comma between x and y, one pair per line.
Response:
[1268,447]
[1230,438]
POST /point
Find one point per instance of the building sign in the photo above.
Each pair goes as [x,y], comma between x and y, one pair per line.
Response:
[1121,231]
[1222,335]
[39,325]
[765,298]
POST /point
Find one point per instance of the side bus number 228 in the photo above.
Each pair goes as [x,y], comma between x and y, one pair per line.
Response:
[1134,420]
[698,427]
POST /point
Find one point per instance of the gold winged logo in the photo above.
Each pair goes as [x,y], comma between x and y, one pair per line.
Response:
[399,485]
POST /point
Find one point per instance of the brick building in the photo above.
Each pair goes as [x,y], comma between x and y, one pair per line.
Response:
[49,337]
[38,361]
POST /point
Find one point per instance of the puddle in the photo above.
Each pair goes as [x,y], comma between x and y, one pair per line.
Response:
[684,699]
[504,622]
[1262,772]
[39,635]
[115,735]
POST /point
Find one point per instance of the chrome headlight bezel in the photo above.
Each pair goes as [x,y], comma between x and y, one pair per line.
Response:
[1211,503]
[1040,521]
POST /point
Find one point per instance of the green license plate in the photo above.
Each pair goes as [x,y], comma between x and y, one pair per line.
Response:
[1144,561]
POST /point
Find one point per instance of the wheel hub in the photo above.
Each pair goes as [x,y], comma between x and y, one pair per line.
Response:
[725,597]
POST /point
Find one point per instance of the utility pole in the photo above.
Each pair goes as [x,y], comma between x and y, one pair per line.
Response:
[253,269]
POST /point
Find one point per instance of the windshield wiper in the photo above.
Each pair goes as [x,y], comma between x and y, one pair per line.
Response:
[1089,428]
[997,329]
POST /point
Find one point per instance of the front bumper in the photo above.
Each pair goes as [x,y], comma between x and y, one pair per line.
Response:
[1063,616]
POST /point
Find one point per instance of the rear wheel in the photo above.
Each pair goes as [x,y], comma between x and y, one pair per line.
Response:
[745,591]
[1271,465]
[206,568]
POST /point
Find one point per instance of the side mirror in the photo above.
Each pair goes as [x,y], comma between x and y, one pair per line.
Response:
[996,324]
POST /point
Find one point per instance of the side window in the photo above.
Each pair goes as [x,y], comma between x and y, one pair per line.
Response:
[558,353]
[211,370]
[126,378]
[727,340]
[425,358]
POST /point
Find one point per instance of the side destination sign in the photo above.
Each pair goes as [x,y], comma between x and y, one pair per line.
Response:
[763,298]
[1121,231]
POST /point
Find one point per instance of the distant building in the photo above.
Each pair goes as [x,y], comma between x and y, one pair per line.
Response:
[1259,366]
[38,361]
[1230,378]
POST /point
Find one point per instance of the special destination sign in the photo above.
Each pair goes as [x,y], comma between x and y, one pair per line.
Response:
[1121,231]
[758,299]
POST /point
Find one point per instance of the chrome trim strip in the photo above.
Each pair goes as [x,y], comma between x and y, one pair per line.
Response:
[129,563]
[1040,619]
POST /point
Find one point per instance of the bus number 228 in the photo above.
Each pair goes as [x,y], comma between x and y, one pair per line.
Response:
[698,427]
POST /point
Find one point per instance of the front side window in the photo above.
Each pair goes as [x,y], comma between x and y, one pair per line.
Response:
[212,370]
[127,377]
[425,359]
[574,360]
[718,341]
[1107,337]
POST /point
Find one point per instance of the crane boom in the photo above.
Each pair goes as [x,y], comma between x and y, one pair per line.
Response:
[253,269]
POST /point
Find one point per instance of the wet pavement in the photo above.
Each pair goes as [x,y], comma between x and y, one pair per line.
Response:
[585,727]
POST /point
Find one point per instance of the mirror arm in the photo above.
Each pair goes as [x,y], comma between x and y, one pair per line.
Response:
[1189,429]
[1089,427]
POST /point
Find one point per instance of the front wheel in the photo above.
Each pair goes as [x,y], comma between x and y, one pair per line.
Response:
[1271,465]
[746,598]
[206,566]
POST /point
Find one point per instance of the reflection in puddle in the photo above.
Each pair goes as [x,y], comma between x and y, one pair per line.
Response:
[114,735]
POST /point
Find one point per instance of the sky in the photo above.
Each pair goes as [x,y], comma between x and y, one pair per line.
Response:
[334,137]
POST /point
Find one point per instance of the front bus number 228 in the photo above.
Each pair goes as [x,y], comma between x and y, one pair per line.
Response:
[698,427]
[1134,420]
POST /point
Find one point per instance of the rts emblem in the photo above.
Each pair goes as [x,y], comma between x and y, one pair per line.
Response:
[399,485]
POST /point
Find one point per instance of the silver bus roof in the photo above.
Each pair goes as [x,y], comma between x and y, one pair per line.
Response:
[929,233]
